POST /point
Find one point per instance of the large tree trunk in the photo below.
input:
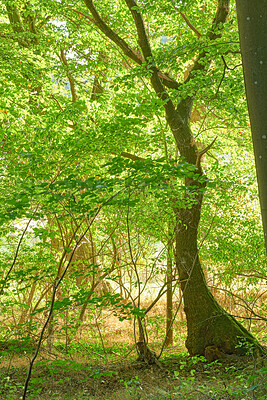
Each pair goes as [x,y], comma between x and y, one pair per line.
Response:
[252,23]
[209,326]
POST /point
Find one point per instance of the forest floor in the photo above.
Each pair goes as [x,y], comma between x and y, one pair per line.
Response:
[101,364]
[85,371]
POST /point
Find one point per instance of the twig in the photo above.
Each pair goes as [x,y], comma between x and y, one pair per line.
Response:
[17,252]
[101,337]
[58,103]
[202,152]
[246,306]
[221,81]
[56,285]
[226,66]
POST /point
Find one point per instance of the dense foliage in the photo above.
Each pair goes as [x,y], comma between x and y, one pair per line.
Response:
[91,175]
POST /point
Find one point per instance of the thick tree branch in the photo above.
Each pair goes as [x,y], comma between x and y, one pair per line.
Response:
[141,31]
[134,55]
[21,23]
[219,19]
[185,106]
[178,124]
[178,119]
[127,50]
[98,21]
[16,24]
[14,18]
[214,33]
[148,56]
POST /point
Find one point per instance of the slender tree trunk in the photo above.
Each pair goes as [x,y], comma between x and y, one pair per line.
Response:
[27,311]
[169,296]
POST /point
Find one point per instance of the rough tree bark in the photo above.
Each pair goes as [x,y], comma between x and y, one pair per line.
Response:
[209,326]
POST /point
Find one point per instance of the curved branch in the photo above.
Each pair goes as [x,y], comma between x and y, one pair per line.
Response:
[214,33]
[127,50]
[201,153]
[16,254]
[147,53]
[191,26]
[98,21]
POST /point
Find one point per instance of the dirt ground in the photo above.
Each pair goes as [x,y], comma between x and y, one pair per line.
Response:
[81,375]
[100,363]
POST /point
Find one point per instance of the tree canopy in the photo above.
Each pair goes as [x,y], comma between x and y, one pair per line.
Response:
[127,171]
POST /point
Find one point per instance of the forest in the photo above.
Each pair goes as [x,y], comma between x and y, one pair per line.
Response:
[132,252]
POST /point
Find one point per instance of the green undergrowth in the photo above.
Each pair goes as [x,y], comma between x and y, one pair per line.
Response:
[87,371]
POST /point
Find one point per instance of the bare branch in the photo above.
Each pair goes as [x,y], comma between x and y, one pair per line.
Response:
[201,153]
[82,14]
[56,285]
[130,156]
[58,103]
[16,254]
[188,22]
[221,81]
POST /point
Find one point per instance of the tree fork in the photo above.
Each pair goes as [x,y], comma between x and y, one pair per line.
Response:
[208,324]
